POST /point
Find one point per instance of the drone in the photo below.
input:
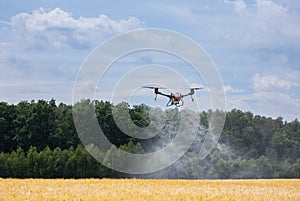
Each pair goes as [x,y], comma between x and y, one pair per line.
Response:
[174,98]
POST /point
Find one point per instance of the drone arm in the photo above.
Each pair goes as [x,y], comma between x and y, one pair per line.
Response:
[184,95]
[192,92]
[159,93]
[188,94]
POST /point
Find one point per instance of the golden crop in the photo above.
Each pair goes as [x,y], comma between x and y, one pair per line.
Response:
[138,189]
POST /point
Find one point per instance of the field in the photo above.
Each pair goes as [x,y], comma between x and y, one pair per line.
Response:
[137,189]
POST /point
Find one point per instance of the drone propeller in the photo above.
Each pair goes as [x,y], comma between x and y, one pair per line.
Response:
[192,89]
[151,87]
[155,90]
[196,88]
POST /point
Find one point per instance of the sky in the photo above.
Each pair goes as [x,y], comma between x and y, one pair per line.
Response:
[254,44]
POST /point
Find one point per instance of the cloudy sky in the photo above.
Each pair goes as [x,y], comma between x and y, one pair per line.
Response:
[255,45]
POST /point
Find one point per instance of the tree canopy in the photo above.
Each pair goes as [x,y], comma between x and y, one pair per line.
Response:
[39,139]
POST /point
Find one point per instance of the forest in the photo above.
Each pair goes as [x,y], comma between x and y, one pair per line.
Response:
[38,139]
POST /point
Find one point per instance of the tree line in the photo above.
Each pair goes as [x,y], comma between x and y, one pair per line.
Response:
[39,140]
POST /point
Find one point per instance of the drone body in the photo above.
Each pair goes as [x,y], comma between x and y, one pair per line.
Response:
[174,98]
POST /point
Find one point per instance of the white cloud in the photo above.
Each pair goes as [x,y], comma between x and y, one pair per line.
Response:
[268,9]
[58,43]
[58,28]
[238,102]
[270,104]
[277,104]
[262,24]
[230,89]
[270,83]
[239,5]
[273,95]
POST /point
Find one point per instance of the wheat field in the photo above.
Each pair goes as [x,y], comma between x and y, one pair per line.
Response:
[138,189]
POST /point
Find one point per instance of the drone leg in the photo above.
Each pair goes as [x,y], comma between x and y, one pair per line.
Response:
[169,103]
[192,98]
[155,97]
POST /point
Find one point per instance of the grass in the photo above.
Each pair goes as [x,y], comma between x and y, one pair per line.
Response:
[138,189]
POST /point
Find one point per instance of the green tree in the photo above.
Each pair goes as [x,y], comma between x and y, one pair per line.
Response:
[132,147]
[296,168]
[59,161]
[65,134]
[16,163]
[21,133]
[41,124]
[71,166]
[32,164]
[4,169]
[7,129]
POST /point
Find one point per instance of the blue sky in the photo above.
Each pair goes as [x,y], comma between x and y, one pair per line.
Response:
[254,44]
